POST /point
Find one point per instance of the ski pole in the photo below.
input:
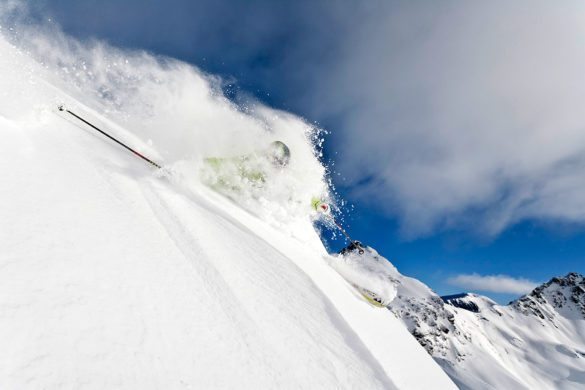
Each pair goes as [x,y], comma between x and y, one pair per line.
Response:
[356,243]
[61,108]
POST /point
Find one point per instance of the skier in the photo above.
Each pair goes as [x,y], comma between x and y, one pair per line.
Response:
[232,173]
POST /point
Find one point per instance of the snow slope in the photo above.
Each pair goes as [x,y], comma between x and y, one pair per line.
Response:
[116,276]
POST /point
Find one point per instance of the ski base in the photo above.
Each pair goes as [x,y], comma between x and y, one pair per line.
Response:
[371,297]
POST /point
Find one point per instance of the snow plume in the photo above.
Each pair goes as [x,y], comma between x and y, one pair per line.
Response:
[462,114]
[493,283]
[175,112]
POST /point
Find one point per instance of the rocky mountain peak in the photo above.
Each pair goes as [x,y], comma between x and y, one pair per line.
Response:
[562,295]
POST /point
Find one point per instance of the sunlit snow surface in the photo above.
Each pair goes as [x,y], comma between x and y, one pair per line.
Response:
[116,276]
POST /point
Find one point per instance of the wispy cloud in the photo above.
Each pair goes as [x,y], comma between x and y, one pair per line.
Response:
[493,283]
[467,117]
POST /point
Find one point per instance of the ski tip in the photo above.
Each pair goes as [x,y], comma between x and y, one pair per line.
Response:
[61,107]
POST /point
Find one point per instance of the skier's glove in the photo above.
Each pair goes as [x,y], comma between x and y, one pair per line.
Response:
[320,206]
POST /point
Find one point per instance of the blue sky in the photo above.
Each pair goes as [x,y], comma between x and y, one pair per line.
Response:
[455,127]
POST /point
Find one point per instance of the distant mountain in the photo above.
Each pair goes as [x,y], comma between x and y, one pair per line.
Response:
[560,296]
[534,342]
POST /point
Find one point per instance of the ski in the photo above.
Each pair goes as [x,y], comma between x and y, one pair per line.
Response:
[371,297]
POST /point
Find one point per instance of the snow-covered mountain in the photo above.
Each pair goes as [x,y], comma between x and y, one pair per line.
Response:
[117,275]
[535,342]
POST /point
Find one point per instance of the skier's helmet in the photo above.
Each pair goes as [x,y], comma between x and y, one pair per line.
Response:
[279,153]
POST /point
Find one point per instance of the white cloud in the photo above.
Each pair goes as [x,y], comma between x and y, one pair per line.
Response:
[493,283]
[463,114]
